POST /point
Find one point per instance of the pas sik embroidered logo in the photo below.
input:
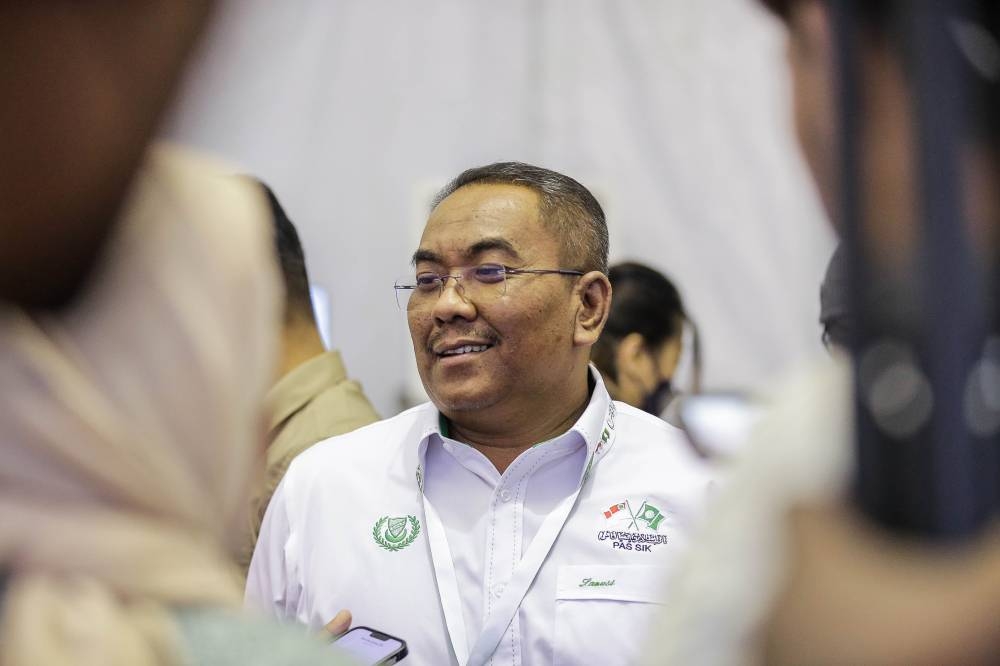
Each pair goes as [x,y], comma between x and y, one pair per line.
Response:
[633,530]
[396,533]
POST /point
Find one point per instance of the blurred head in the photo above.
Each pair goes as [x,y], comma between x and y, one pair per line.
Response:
[292,261]
[641,343]
[521,345]
[888,176]
[300,337]
[888,150]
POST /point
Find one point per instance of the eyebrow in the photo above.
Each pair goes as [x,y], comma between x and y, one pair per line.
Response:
[477,248]
[425,255]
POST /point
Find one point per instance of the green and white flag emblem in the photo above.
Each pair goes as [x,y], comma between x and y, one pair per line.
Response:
[650,515]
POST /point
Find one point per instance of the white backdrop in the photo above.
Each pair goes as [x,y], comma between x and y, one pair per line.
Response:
[674,112]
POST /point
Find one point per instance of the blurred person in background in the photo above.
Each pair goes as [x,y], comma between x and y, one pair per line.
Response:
[521,516]
[129,429]
[815,582]
[313,398]
[641,344]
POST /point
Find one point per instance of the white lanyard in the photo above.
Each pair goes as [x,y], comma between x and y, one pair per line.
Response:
[444,571]
[524,573]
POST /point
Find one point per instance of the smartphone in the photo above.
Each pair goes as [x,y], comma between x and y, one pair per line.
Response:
[370,647]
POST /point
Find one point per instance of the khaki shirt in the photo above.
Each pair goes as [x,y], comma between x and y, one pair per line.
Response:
[313,402]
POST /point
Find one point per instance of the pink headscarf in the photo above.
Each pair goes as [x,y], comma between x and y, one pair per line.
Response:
[128,425]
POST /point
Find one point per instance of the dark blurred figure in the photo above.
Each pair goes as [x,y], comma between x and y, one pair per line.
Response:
[641,344]
[313,399]
[83,86]
[814,582]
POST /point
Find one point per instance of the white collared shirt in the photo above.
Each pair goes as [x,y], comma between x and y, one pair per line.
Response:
[349,527]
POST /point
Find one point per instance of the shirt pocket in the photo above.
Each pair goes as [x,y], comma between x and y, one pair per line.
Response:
[603,613]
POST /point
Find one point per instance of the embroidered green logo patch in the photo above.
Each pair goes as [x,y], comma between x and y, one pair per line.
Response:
[396,533]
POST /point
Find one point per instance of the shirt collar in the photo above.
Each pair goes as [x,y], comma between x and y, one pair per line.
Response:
[595,426]
[293,391]
[596,422]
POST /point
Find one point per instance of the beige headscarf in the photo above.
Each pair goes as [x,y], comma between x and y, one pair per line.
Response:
[128,425]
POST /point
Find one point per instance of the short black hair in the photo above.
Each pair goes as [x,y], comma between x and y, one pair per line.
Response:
[569,207]
[291,258]
[643,301]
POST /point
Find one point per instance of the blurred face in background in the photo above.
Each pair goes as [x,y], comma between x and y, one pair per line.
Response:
[645,372]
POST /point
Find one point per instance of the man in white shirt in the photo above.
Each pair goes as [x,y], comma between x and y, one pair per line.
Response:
[521,517]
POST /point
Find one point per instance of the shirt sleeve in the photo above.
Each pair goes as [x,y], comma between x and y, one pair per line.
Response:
[273,585]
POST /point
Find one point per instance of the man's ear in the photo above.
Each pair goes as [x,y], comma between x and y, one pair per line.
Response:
[594,292]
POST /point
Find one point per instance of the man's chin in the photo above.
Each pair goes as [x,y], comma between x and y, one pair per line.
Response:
[460,401]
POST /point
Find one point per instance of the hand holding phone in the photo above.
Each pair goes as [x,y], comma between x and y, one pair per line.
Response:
[372,647]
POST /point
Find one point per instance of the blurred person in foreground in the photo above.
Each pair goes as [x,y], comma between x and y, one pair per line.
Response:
[83,87]
[128,437]
[313,399]
[119,506]
[641,344]
[786,571]
[521,513]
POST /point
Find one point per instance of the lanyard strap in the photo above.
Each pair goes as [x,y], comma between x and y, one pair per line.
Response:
[444,572]
[524,573]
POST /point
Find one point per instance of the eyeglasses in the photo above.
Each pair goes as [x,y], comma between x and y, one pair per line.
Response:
[478,282]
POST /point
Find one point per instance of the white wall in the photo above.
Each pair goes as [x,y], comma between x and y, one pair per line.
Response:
[675,112]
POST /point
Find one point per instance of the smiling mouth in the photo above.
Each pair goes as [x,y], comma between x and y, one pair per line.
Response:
[466,349]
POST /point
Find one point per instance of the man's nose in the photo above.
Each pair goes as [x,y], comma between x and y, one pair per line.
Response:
[453,301]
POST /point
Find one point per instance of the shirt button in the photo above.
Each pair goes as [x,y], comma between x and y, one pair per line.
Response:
[498,590]
[505,495]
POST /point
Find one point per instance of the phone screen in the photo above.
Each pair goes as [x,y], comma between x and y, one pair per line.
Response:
[368,646]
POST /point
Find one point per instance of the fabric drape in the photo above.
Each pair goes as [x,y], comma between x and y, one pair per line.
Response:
[130,425]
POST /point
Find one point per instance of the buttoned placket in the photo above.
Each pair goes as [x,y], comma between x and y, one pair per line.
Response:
[490,533]
[505,533]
